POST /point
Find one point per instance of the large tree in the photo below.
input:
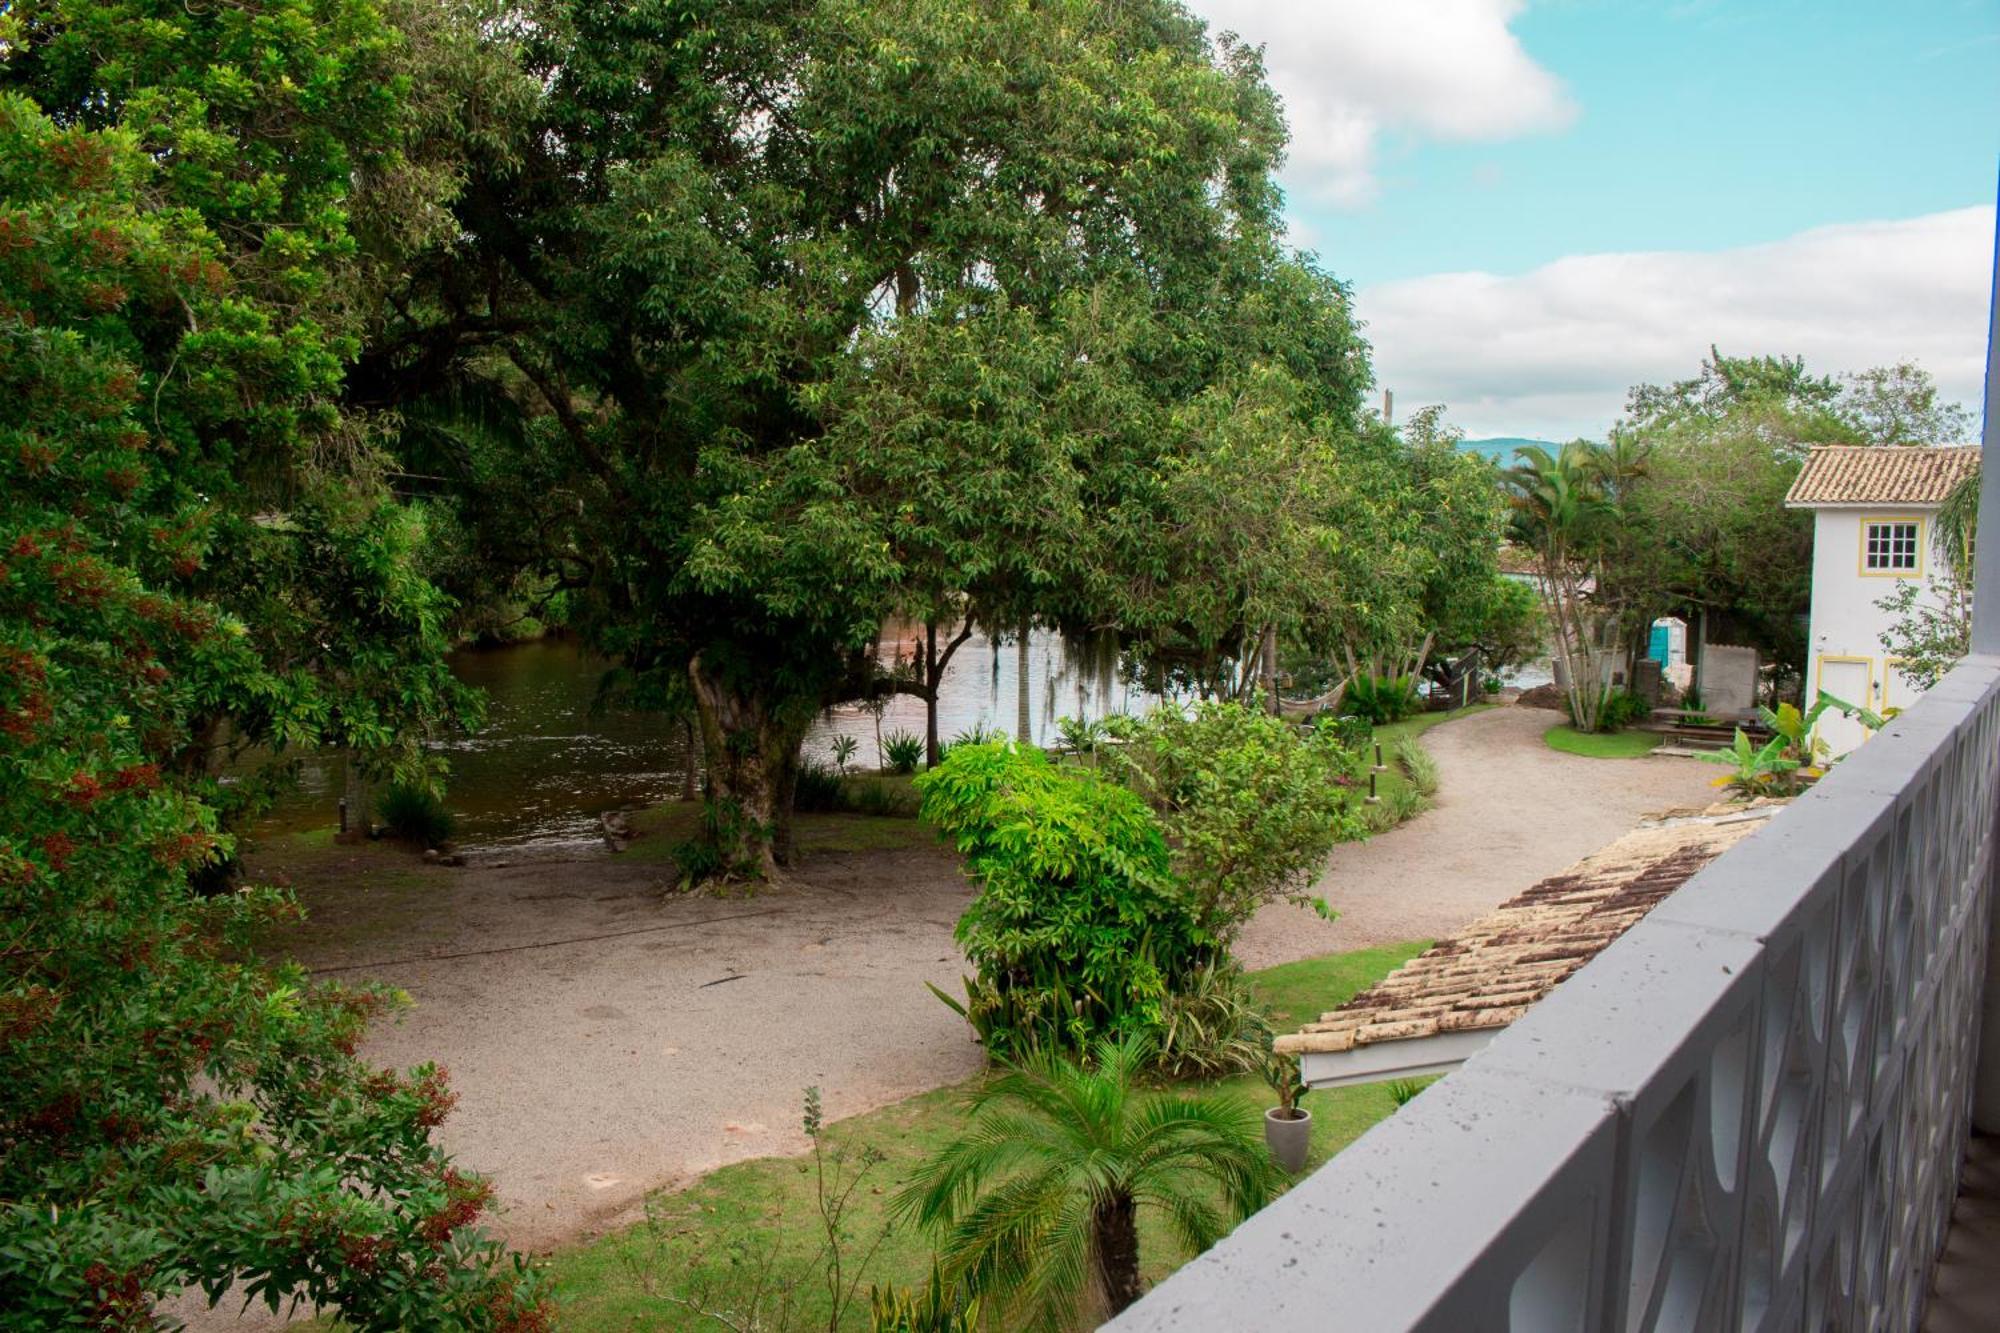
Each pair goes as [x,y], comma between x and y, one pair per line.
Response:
[198,543]
[824,312]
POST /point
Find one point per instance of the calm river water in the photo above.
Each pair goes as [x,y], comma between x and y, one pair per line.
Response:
[544,765]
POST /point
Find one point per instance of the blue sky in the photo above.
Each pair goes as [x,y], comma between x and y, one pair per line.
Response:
[1618,184]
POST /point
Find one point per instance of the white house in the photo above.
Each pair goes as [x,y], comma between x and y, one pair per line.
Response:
[1874,523]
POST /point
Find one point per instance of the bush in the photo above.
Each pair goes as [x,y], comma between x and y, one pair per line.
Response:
[1078,929]
[1383,699]
[903,751]
[1620,709]
[1251,804]
[817,788]
[1353,731]
[1212,1028]
[416,814]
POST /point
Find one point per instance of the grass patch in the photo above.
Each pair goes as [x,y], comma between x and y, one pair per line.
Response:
[1600,744]
[742,1210]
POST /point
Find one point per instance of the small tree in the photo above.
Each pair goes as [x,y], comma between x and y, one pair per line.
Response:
[1040,1199]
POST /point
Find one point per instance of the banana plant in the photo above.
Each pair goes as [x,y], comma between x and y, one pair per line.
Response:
[1794,756]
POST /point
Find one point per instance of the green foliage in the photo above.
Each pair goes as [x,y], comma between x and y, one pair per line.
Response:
[1038,1202]
[1403,1091]
[843,751]
[197,546]
[1417,766]
[1212,1026]
[1078,928]
[903,751]
[416,814]
[939,1307]
[1287,1080]
[1931,626]
[1251,805]
[1353,731]
[818,787]
[1620,709]
[763,1282]
[1382,699]
[1078,736]
[1792,757]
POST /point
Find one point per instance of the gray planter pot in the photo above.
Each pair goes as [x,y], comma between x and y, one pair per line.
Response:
[1288,1140]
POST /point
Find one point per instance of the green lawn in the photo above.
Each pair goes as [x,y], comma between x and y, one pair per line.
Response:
[1601,744]
[730,1220]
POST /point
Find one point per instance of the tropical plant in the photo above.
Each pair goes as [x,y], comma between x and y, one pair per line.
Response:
[1382,699]
[1211,1026]
[1080,736]
[1251,805]
[1078,928]
[1287,1080]
[1564,506]
[843,751]
[1794,755]
[416,814]
[940,1307]
[1039,1201]
[904,751]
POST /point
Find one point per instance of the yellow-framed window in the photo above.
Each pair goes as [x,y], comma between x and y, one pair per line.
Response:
[1892,546]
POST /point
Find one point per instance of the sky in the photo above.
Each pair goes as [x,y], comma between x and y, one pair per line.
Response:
[1539,205]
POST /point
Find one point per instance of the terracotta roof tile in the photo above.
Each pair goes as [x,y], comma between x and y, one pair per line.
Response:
[1881,474]
[1487,975]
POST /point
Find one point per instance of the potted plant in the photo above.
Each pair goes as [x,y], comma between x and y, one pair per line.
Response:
[1287,1126]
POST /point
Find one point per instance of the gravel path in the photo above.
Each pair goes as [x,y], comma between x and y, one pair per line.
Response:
[1509,811]
[607,1040]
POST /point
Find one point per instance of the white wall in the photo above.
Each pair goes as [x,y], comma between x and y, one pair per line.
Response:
[1846,623]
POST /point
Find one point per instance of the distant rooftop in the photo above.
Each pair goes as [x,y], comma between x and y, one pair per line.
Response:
[1837,475]
[1441,1006]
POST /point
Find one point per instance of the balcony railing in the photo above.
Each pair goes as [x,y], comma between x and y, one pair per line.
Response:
[1746,1114]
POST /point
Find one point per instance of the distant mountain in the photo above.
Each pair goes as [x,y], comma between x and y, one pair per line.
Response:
[1500,448]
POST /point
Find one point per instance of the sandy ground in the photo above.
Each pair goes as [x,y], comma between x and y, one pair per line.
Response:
[1509,811]
[607,1039]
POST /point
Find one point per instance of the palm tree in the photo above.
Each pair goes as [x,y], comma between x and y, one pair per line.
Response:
[1561,507]
[1041,1196]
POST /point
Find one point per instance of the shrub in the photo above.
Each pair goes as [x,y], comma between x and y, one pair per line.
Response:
[1417,766]
[903,751]
[1211,1027]
[1353,731]
[1078,929]
[1251,805]
[817,788]
[843,751]
[1620,709]
[1383,699]
[416,814]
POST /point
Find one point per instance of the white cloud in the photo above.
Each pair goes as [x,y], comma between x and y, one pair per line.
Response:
[1551,352]
[1353,71]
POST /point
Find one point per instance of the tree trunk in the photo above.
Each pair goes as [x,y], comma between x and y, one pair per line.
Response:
[752,745]
[1270,656]
[930,695]
[1024,713]
[1114,1226]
